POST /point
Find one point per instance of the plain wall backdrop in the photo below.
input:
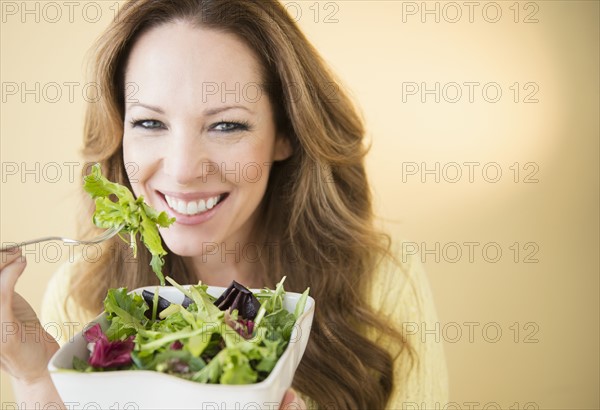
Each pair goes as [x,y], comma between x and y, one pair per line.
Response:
[484,126]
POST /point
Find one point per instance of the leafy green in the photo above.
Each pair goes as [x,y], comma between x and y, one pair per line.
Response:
[301,304]
[134,215]
[126,313]
[236,368]
[201,343]
[81,365]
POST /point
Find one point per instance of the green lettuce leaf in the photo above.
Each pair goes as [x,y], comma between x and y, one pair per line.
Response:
[134,215]
[125,313]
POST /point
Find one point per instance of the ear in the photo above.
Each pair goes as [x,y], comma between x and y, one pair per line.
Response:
[283,148]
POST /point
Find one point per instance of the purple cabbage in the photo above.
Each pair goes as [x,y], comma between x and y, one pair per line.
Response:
[107,354]
[239,297]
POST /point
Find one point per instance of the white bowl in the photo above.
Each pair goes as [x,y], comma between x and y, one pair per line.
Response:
[145,389]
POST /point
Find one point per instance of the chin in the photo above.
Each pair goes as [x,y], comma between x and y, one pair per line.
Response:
[181,245]
[185,251]
[191,249]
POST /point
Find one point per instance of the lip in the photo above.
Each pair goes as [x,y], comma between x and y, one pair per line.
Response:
[191,196]
[192,219]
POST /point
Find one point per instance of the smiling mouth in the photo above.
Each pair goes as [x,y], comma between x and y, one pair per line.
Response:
[194,207]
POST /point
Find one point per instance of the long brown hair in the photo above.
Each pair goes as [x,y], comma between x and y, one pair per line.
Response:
[317,210]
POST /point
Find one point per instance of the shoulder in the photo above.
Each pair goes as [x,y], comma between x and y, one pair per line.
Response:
[59,312]
[401,292]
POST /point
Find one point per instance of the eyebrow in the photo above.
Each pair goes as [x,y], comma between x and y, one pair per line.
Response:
[217,110]
[207,112]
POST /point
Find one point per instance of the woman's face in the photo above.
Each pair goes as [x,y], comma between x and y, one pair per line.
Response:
[199,135]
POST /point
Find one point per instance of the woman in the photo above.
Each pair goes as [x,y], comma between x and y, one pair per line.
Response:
[223,111]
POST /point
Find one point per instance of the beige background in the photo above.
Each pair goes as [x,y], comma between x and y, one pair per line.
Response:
[547,310]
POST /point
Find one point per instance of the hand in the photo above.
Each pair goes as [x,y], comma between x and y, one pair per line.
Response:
[26,347]
[291,401]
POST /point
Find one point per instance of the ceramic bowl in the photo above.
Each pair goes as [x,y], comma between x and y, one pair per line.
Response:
[144,389]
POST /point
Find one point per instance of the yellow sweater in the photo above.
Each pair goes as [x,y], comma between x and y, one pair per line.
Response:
[401,292]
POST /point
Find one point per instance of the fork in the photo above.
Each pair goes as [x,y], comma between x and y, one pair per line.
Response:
[109,233]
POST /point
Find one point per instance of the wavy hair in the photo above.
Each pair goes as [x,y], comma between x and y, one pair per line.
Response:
[317,209]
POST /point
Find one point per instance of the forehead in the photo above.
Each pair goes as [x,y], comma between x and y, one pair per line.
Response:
[179,61]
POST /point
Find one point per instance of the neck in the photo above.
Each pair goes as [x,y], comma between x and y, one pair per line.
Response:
[222,263]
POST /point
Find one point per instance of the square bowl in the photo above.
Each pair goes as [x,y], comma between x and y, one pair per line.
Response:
[145,389]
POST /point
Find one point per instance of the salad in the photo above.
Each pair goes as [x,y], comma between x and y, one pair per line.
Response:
[236,338]
[133,215]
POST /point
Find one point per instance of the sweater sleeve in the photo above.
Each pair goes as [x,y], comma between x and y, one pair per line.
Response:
[401,291]
[60,314]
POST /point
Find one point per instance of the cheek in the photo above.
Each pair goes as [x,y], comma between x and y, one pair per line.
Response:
[128,152]
[254,173]
[249,167]
[138,161]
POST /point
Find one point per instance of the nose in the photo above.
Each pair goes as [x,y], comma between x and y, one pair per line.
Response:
[185,158]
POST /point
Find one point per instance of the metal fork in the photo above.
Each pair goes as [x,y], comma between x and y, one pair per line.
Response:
[109,233]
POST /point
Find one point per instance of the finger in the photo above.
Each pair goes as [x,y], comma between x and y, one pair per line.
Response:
[292,401]
[8,256]
[8,279]
[22,311]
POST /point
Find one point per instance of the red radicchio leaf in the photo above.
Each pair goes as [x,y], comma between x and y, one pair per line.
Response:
[93,333]
[243,327]
[108,354]
[176,345]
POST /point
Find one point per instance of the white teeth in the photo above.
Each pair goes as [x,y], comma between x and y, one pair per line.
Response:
[192,207]
[181,207]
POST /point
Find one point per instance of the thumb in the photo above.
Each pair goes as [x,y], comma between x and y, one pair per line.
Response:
[8,279]
[292,401]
